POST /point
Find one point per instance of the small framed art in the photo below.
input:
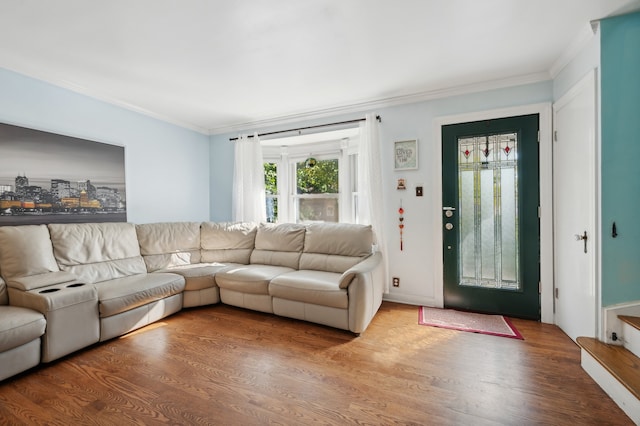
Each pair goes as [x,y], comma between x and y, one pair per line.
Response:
[405,155]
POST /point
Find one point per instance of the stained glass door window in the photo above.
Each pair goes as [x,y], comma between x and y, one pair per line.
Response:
[488,209]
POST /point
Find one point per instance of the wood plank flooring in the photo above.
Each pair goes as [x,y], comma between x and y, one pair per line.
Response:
[226,366]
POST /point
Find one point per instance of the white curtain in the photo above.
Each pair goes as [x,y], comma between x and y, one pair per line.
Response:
[248,181]
[370,201]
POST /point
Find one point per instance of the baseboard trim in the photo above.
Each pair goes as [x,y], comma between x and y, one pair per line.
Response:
[409,299]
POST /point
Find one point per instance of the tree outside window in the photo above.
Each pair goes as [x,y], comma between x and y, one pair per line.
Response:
[271,190]
[317,186]
[311,178]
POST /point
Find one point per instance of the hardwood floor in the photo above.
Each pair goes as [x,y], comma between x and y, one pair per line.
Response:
[223,365]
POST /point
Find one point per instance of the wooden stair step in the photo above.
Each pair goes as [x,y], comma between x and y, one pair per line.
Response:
[617,360]
[632,321]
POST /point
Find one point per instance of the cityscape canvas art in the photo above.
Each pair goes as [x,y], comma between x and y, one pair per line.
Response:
[51,178]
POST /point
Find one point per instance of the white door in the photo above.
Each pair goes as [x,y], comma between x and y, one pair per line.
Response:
[574,199]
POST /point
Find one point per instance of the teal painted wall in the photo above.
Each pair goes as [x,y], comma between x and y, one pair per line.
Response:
[166,166]
[620,103]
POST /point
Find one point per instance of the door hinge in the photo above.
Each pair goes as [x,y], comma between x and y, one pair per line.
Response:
[557,292]
[538,136]
[539,212]
[539,287]
[555,135]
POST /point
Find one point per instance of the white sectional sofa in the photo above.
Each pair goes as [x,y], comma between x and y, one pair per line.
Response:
[20,332]
[67,286]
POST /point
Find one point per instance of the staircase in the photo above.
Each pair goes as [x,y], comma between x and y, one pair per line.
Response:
[617,368]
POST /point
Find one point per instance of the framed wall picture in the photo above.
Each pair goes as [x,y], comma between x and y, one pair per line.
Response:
[52,178]
[405,155]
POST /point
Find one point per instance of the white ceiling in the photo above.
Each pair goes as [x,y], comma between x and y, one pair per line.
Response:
[217,65]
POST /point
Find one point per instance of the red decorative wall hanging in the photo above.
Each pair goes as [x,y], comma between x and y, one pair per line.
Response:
[401,224]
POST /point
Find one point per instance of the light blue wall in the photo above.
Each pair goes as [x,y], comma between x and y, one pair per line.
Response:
[166,166]
[620,86]
[404,121]
[221,176]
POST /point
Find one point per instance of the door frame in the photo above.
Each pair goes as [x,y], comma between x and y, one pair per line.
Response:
[544,110]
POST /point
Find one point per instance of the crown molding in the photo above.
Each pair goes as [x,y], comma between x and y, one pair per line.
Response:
[384,103]
[350,108]
[587,32]
[85,91]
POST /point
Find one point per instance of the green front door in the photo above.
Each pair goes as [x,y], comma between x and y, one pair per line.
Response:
[490,198]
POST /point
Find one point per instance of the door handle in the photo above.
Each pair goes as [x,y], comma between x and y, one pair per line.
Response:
[584,238]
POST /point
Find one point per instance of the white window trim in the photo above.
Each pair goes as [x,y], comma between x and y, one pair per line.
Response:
[286,152]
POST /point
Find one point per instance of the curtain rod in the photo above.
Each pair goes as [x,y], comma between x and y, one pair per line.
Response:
[310,127]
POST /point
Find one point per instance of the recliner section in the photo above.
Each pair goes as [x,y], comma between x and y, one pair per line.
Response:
[20,331]
[68,286]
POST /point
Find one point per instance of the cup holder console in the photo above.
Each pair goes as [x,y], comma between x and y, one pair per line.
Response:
[53,290]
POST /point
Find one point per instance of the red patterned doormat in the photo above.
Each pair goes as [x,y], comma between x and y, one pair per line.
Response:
[495,325]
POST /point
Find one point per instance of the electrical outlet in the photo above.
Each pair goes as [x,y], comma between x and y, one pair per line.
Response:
[396,282]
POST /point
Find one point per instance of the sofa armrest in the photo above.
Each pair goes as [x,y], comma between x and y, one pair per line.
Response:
[367,265]
[42,280]
[365,292]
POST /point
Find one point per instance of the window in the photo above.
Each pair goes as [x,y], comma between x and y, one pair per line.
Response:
[311,178]
[317,190]
[271,190]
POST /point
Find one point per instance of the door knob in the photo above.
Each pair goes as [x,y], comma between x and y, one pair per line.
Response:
[584,238]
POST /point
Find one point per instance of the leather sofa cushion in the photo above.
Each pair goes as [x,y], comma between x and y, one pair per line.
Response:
[158,262]
[122,294]
[252,279]
[344,239]
[97,252]
[19,326]
[198,276]
[26,250]
[227,242]
[164,245]
[335,247]
[4,298]
[278,245]
[327,262]
[275,258]
[315,287]
[282,237]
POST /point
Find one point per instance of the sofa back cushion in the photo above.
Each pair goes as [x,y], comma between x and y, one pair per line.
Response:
[25,251]
[335,247]
[227,242]
[165,245]
[97,252]
[4,297]
[279,245]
